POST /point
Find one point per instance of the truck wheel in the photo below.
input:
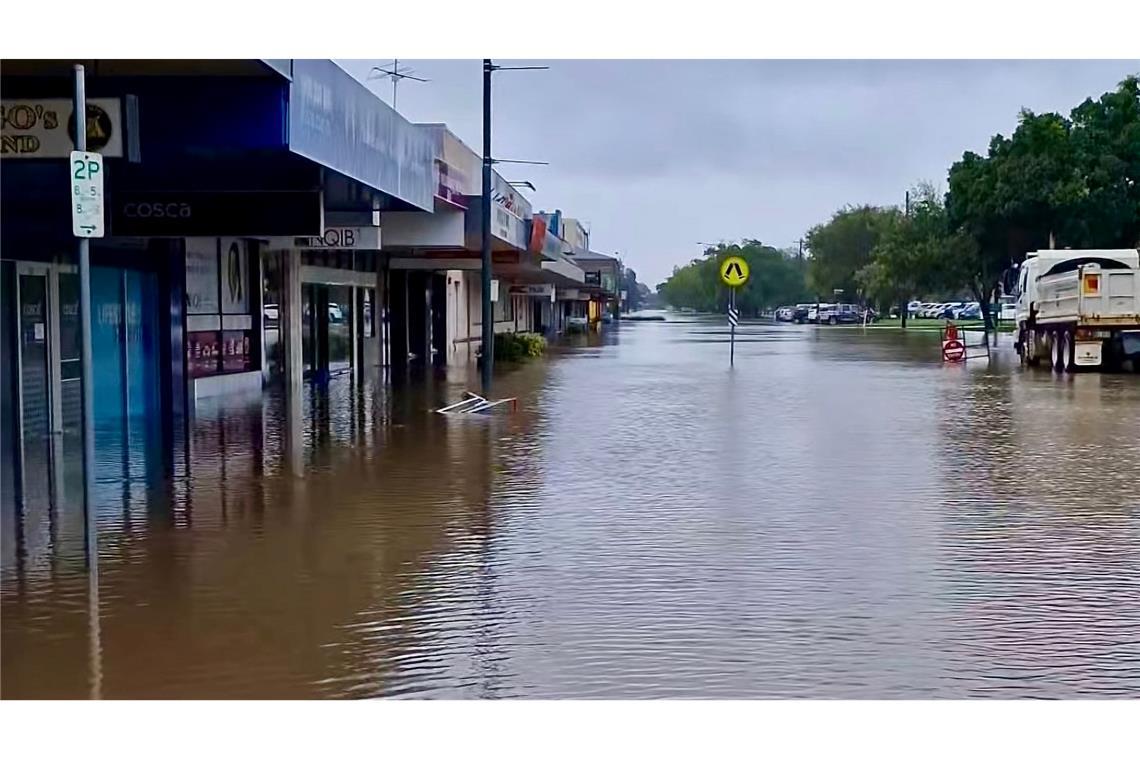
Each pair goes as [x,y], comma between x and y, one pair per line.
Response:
[1056,362]
[832,321]
[1068,352]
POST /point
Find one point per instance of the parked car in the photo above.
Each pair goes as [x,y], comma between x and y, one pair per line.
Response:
[933,311]
[818,313]
[949,310]
[785,314]
[971,311]
[839,314]
[914,307]
[969,306]
[800,313]
[1008,309]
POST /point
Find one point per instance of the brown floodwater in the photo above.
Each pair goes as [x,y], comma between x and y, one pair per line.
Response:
[840,516]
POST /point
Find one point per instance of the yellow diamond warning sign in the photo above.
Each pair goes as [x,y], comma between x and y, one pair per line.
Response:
[734,271]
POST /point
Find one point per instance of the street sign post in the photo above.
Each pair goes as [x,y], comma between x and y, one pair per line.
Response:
[86,194]
[85,171]
[733,273]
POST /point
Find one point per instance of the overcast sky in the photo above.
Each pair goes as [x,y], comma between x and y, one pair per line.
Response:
[659,155]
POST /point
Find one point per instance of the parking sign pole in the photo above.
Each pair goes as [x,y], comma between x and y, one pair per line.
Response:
[87,390]
[91,538]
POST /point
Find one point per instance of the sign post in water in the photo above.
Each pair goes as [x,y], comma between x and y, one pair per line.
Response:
[733,273]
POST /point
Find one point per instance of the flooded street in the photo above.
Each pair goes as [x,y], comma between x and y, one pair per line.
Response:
[841,516]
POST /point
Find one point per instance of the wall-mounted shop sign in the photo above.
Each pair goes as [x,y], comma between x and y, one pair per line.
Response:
[338,238]
[43,128]
[509,213]
[238,213]
[538,229]
[534,291]
[457,167]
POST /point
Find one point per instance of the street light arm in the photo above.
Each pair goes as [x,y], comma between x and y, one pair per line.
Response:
[512,161]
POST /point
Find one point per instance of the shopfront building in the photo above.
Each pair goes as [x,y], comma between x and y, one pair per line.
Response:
[205,164]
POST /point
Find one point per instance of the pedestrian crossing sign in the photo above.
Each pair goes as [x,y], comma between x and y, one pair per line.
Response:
[734,271]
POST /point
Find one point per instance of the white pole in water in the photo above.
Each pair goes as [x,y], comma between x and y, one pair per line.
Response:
[732,328]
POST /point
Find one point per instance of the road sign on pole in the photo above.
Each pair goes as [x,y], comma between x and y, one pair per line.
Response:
[733,318]
[734,271]
[86,172]
[86,194]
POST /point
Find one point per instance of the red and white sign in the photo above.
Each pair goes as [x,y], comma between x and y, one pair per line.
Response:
[953,350]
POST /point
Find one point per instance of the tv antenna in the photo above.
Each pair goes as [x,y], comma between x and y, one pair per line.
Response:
[395,72]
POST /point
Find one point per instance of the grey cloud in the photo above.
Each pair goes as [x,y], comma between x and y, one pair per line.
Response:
[661,154]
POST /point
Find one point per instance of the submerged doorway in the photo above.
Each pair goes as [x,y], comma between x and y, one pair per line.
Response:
[42,414]
[337,330]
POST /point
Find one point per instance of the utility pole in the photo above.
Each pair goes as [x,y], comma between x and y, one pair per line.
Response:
[488,343]
[904,306]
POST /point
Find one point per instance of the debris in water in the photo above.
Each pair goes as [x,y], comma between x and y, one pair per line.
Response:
[474,404]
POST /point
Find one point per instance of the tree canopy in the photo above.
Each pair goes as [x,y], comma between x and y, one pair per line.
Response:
[1065,182]
[775,279]
[842,246]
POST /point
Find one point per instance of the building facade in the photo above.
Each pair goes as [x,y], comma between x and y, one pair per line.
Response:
[268,223]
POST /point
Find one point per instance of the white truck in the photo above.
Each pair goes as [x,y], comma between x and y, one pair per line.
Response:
[1079,308]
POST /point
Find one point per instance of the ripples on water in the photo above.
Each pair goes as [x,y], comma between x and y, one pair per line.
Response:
[841,516]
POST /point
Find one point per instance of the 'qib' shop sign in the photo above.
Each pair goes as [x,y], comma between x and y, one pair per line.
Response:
[43,128]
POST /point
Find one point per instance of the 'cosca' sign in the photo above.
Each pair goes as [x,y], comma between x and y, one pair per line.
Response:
[230,213]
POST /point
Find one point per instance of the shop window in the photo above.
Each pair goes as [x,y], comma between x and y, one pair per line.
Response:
[504,307]
[271,312]
[218,306]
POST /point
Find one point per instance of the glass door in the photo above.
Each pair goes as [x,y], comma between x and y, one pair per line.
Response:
[339,328]
[35,391]
[35,398]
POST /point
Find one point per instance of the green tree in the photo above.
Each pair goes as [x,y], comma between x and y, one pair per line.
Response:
[841,247]
[1105,138]
[629,283]
[918,253]
[1015,199]
[775,279]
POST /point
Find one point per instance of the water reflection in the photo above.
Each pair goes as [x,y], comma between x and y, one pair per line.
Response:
[839,516]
